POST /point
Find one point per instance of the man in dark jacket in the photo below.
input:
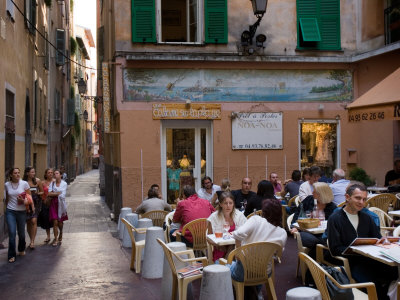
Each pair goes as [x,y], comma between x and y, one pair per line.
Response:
[349,223]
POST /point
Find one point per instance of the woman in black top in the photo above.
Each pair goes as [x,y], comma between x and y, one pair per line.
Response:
[265,190]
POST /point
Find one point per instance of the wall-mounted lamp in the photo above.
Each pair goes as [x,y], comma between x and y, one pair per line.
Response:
[82,86]
[259,9]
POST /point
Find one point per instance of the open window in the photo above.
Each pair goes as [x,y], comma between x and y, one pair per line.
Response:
[318,24]
[179,21]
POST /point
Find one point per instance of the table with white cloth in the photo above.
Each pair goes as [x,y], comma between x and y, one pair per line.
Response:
[317,230]
[229,240]
[394,213]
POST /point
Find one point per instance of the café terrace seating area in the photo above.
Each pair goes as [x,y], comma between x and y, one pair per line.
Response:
[177,273]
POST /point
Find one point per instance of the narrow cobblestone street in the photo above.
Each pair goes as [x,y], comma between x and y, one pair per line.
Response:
[89,264]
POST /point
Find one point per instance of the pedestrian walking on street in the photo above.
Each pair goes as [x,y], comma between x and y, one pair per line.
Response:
[58,207]
[15,212]
[44,215]
[36,188]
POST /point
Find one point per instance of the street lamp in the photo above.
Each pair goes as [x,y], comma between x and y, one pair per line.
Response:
[82,87]
[259,9]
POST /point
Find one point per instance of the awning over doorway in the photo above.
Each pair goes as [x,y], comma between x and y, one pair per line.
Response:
[382,102]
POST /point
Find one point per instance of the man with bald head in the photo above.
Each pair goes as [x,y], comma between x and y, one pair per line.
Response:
[244,194]
[338,186]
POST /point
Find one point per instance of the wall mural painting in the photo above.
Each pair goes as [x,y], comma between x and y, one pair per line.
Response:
[171,85]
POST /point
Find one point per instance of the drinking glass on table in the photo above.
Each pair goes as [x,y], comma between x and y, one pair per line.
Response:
[226,230]
[308,214]
[218,231]
[386,241]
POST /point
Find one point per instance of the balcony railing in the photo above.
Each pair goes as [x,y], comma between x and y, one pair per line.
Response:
[392,24]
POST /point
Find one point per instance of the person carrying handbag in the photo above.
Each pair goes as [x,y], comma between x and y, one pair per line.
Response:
[44,215]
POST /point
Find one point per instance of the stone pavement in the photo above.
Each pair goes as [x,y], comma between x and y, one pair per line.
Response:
[89,263]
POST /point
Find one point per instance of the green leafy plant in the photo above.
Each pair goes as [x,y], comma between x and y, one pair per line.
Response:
[48,2]
[359,174]
[72,92]
[73,45]
[77,125]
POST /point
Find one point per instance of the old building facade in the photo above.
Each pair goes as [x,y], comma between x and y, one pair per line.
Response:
[190,91]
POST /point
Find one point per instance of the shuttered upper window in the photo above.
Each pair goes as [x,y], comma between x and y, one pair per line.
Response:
[318,24]
[186,22]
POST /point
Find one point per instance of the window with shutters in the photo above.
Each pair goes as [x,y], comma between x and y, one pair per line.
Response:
[60,44]
[57,107]
[10,10]
[318,24]
[179,21]
[31,15]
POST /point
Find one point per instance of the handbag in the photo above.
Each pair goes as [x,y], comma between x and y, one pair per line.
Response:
[335,292]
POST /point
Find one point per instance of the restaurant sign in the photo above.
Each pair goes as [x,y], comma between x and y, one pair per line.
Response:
[261,130]
[382,112]
[186,111]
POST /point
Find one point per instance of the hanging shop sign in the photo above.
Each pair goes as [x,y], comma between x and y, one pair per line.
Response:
[257,130]
[187,111]
[375,113]
[106,97]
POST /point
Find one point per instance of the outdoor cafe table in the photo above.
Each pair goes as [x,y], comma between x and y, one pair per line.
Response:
[317,230]
[220,241]
[373,252]
[394,213]
[377,189]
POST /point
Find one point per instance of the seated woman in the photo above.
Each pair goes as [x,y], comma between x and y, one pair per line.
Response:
[265,190]
[260,229]
[226,213]
[324,196]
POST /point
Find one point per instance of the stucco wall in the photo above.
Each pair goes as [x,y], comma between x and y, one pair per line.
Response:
[278,24]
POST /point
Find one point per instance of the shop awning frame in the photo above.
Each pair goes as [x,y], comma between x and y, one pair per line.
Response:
[381,102]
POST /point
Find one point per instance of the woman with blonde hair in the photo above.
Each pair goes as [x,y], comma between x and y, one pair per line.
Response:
[225,187]
[225,215]
[322,197]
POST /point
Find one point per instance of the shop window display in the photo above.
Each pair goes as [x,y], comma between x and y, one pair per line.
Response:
[319,145]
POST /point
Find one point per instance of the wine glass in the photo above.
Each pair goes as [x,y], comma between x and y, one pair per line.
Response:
[226,230]
[386,241]
[308,214]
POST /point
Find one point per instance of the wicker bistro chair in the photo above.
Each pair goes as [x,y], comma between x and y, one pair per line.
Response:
[255,258]
[157,216]
[382,201]
[258,212]
[320,259]
[319,275]
[301,265]
[384,219]
[341,204]
[136,257]
[168,221]
[179,282]
[295,200]
[198,229]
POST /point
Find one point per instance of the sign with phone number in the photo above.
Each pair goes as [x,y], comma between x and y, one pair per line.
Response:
[384,112]
[357,117]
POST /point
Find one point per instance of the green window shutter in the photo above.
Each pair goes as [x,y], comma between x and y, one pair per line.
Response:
[70,112]
[329,21]
[216,21]
[143,21]
[327,15]
[310,30]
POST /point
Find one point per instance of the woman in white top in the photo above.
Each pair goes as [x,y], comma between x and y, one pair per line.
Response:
[15,212]
[58,208]
[260,229]
[226,214]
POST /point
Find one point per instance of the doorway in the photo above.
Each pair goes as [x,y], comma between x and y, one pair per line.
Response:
[186,155]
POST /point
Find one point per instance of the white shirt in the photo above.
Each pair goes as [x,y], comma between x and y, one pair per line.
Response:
[339,190]
[218,220]
[202,193]
[353,219]
[258,229]
[306,189]
[13,190]
[61,188]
